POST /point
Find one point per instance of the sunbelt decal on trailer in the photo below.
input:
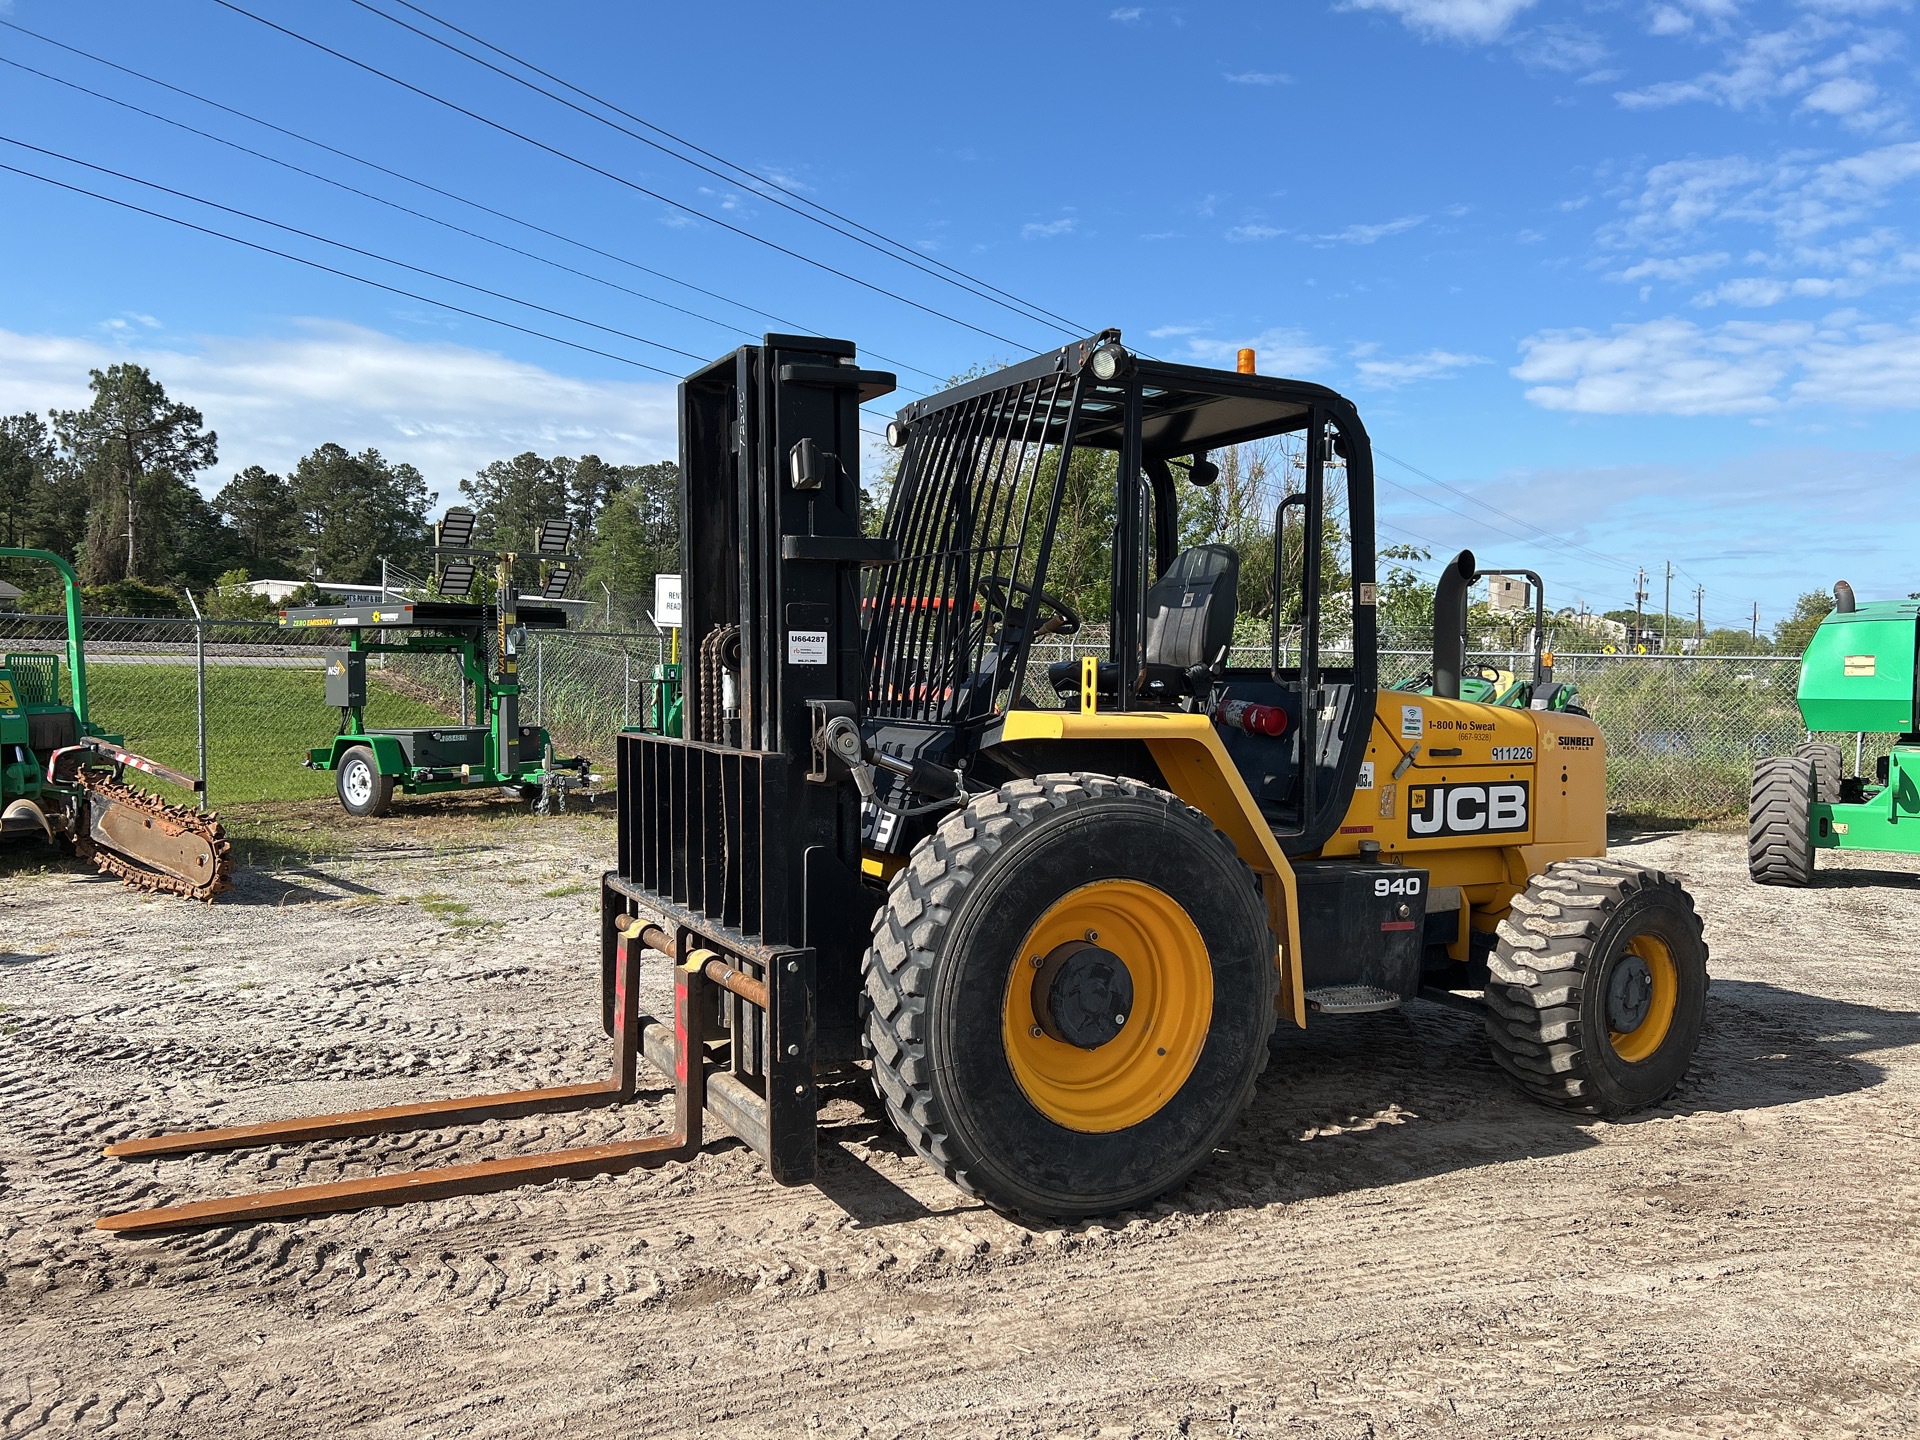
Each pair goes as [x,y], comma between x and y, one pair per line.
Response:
[1467,809]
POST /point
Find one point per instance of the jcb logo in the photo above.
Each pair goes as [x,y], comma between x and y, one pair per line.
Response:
[1467,809]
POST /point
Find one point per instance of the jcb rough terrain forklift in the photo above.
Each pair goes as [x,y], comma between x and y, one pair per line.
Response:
[1859,674]
[64,777]
[1060,916]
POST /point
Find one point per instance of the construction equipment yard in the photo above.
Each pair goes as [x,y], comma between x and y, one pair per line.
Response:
[1394,1242]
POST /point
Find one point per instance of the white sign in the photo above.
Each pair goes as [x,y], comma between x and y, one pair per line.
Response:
[1413,722]
[806,647]
[1366,775]
[666,600]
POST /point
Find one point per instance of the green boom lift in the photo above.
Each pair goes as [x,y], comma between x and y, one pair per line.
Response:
[1858,674]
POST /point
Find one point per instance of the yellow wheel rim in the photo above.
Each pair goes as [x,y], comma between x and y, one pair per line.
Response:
[1645,1038]
[1129,1078]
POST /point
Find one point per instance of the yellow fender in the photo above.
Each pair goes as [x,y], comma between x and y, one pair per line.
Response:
[1188,751]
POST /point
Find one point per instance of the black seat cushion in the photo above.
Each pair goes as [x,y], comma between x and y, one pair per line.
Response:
[1190,609]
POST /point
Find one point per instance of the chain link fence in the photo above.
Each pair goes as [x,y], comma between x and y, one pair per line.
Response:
[1682,731]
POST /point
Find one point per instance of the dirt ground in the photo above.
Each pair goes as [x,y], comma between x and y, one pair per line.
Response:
[1393,1244]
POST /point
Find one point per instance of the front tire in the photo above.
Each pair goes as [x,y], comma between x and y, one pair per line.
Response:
[1069,995]
[1779,821]
[1597,987]
[363,790]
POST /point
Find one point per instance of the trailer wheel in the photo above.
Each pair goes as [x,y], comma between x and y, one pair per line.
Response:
[1597,986]
[1779,821]
[1069,995]
[1827,765]
[363,789]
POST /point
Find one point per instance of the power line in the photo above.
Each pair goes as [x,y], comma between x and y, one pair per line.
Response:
[357,250]
[957,278]
[331,270]
[377,199]
[431,188]
[633,185]
[1545,535]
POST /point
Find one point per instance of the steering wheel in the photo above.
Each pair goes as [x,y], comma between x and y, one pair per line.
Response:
[1486,672]
[999,592]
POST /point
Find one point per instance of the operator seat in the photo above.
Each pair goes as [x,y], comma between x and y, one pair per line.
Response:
[1190,612]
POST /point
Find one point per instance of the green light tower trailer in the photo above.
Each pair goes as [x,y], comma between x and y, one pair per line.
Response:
[369,765]
[1858,675]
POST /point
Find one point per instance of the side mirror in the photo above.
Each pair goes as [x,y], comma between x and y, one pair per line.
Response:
[1203,471]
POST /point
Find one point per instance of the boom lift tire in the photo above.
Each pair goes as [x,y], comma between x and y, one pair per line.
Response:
[1597,986]
[1779,834]
[987,1065]
[1827,765]
[364,791]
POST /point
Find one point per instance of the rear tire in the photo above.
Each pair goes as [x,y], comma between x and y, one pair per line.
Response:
[1034,1125]
[1779,821]
[1597,987]
[363,790]
[1827,766]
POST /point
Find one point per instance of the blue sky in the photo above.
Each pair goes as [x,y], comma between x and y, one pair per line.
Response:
[1639,277]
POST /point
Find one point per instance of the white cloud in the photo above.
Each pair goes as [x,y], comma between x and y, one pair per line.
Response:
[1755,293]
[1368,234]
[1278,351]
[1046,230]
[1127,14]
[447,408]
[1465,20]
[1565,48]
[1678,267]
[1388,374]
[1817,59]
[1741,367]
[1255,232]
[1259,77]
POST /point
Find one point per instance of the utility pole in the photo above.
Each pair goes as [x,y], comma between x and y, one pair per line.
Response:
[1756,622]
[1666,615]
[1699,612]
[1639,605]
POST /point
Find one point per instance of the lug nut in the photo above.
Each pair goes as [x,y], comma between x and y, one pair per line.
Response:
[1035,1031]
[1093,934]
[1119,1019]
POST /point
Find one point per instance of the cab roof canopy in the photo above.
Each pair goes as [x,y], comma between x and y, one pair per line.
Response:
[1184,408]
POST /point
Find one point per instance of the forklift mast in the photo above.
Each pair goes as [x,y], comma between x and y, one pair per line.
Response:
[734,833]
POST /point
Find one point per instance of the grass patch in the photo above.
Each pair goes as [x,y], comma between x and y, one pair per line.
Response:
[261,721]
[560,892]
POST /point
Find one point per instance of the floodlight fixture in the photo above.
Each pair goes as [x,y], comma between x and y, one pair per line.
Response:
[455,531]
[456,581]
[558,578]
[556,537]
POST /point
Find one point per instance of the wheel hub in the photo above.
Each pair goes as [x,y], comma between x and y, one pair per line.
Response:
[1629,994]
[358,784]
[1082,994]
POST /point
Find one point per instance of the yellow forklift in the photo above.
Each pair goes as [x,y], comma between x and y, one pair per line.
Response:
[1057,911]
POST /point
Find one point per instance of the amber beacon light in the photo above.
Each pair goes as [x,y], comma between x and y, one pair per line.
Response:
[1245,366]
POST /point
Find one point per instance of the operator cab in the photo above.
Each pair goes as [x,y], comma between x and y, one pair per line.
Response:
[1092,473]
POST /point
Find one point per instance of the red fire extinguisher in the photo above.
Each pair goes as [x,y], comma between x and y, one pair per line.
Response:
[1254,719]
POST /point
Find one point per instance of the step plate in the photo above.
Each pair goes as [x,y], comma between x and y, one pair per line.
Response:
[1351,999]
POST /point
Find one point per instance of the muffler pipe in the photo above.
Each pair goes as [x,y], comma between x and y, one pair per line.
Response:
[1450,624]
[1842,597]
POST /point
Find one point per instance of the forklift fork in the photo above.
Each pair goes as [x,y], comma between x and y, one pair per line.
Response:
[692,999]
